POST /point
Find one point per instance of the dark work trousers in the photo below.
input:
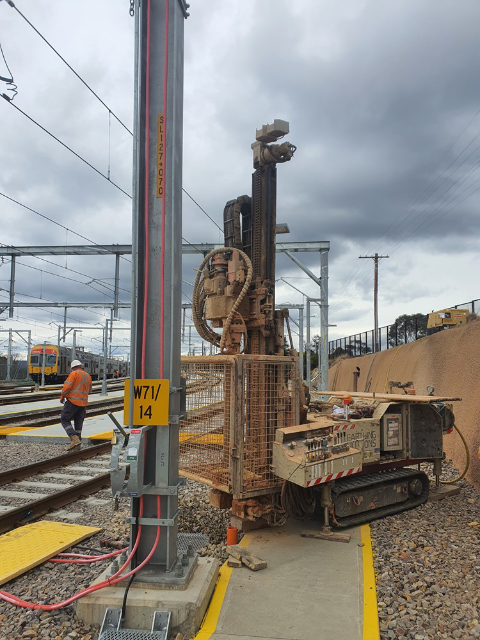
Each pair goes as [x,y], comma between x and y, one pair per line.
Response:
[73,412]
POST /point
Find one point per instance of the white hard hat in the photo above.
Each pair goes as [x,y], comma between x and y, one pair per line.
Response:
[75,363]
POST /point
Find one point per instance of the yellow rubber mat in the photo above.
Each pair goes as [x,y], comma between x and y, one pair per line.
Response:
[28,546]
[5,431]
[214,439]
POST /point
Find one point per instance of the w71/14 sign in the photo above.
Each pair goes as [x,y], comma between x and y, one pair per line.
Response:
[150,402]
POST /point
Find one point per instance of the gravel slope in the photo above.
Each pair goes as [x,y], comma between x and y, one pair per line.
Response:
[428,569]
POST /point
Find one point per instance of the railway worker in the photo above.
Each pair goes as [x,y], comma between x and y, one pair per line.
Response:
[74,397]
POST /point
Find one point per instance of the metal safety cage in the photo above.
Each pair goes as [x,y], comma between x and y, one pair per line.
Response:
[234,405]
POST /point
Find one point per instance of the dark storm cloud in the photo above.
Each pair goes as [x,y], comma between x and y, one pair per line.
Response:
[371,119]
[375,93]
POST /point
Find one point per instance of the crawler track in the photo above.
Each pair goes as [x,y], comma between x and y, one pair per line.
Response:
[353,487]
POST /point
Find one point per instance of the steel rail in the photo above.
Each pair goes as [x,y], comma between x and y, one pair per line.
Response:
[28,470]
[45,417]
[38,396]
[40,507]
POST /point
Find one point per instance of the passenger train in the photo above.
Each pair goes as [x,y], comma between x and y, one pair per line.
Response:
[58,360]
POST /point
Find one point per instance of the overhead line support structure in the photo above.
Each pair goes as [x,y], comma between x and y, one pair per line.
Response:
[156,273]
[126,249]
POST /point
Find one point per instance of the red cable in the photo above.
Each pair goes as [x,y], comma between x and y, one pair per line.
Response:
[162,268]
[8,597]
[77,558]
[147,171]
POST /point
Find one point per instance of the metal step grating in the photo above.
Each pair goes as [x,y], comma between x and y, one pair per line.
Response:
[196,540]
[112,627]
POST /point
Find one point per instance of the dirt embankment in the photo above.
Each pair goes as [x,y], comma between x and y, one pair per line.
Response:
[448,361]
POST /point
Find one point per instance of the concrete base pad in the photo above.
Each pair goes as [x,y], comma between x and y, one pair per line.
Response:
[441,492]
[188,607]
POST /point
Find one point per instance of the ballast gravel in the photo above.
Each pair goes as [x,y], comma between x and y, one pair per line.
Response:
[428,569]
[51,582]
[428,573]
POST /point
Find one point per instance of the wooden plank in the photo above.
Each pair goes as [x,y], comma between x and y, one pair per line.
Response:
[233,562]
[389,397]
[249,560]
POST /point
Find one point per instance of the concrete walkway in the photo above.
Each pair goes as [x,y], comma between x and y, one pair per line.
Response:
[31,407]
[311,590]
[92,428]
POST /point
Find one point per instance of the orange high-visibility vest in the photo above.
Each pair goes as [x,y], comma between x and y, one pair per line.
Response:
[77,387]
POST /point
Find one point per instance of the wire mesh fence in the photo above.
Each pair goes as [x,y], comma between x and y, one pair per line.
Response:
[234,405]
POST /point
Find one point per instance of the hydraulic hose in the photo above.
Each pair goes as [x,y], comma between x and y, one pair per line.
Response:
[198,300]
[467,462]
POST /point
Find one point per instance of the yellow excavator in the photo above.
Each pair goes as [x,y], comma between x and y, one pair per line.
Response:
[446,318]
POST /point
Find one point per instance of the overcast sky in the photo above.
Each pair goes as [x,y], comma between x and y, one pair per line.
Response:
[383,102]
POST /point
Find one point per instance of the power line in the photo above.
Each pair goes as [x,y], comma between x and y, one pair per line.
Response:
[57,275]
[42,215]
[70,67]
[9,81]
[202,209]
[65,146]
[91,165]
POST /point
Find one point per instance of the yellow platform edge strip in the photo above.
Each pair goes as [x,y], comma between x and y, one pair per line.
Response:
[210,620]
[26,547]
[371,629]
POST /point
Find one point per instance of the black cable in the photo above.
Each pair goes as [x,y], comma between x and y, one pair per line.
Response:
[125,595]
[297,501]
[70,67]
[9,81]
[202,209]
[65,145]
[192,245]
[42,215]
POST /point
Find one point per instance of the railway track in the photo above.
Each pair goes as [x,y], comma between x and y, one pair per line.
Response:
[94,478]
[51,415]
[50,393]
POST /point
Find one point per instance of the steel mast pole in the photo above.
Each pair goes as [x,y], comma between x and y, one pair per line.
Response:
[323,343]
[105,356]
[9,356]
[27,376]
[301,345]
[44,356]
[157,261]
[307,347]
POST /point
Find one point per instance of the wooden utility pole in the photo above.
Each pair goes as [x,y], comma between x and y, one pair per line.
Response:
[375,259]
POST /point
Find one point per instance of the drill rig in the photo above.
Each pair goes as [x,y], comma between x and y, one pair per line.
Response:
[235,284]
[245,435]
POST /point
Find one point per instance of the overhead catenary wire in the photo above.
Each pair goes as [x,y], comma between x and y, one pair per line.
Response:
[109,109]
[89,164]
[59,224]
[424,192]
[69,66]
[9,81]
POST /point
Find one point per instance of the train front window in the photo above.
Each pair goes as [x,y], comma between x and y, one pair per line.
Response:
[51,360]
[34,361]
